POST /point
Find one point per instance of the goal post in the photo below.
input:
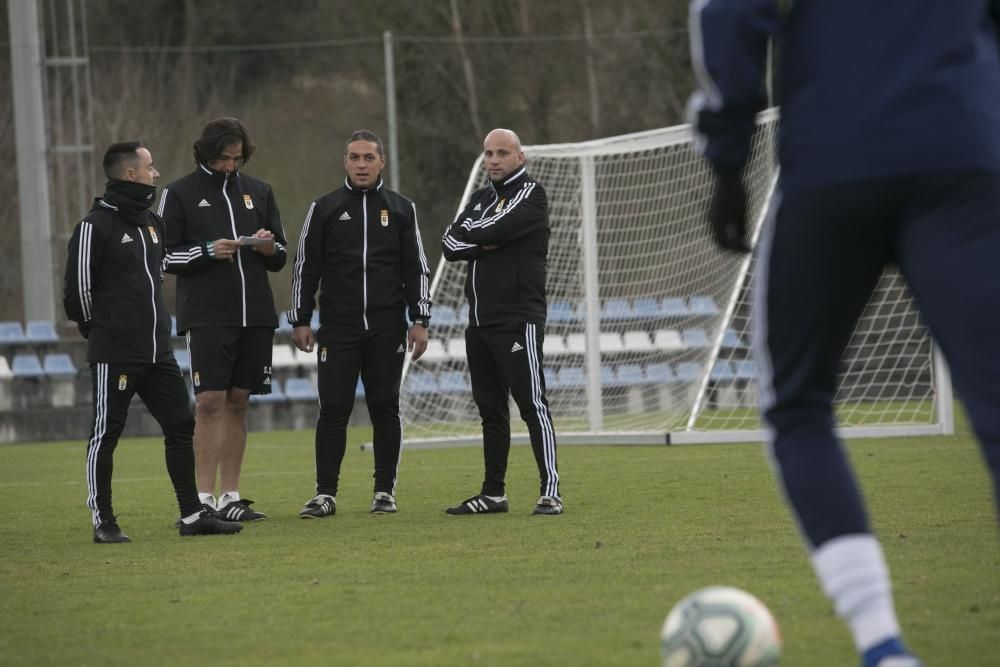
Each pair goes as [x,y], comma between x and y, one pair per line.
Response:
[649,326]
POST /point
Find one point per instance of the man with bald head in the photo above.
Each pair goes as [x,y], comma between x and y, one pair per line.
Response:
[503,233]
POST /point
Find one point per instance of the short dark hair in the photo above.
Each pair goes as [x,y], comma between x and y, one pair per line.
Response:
[117,155]
[219,133]
[365,135]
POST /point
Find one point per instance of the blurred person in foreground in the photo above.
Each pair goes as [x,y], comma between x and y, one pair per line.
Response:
[889,151]
[360,245]
[223,236]
[113,293]
[503,234]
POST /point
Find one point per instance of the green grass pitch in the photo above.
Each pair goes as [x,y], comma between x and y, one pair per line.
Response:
[643,527]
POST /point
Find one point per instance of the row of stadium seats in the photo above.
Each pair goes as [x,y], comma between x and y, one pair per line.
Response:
[30,365]
[35,332]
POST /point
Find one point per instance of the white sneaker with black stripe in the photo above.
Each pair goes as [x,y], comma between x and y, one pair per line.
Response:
[319,507]
[480,504]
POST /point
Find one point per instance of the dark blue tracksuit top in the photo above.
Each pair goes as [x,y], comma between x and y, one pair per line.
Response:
[939,111]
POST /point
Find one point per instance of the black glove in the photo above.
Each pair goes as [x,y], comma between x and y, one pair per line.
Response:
[84,328]
[728,212]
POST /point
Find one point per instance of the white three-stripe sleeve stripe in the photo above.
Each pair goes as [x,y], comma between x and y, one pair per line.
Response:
[425,303]
[97,439]
[181,257]
[521,196]
[300,260]
[454,244]
[544,417]
[83,269]
[163,202]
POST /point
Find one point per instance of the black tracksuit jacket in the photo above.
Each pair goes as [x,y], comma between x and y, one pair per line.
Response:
[364,247]
[113,286]
[207,205]
[505,285]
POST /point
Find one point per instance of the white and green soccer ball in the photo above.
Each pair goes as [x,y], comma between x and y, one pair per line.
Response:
[720,626]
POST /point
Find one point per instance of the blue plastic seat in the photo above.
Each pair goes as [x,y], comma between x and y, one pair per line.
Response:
[609,378]
[27,366]
[572,377]
[645,308]
[703,305]
[11,333]
[551,377]
[722,371]
[314,322]
[674,306]
[453,382]
[283,326]
[183,358]
[616,310]
[562,311]
[444,316]
[695,338]
[631,375]
[41,331]
[422,382]
[59,364]
[746,370]
[463,314]
[660,373]
[732,340]
[688,371]
[300,389]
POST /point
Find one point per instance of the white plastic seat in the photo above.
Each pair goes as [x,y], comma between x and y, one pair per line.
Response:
[456,348]
[576,343]
[610,343]
[553,345]
[282,356]
[435,351]
[668,339]
[637,341]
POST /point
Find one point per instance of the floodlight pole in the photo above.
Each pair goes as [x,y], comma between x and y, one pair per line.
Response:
[390,109]
[37,272]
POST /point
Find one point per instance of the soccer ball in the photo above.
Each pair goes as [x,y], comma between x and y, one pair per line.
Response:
[720,627]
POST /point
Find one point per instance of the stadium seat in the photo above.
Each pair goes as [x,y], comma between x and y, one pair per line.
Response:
[444,316]
[59,364]
[732,340]
[314,321]
[421,382]
[609,377]
[283,357]
[746,369]
[703,306]
[616,310]
[284,328]
[695,338]
[456,348]
[435,351]
[722,371]
[562,311]
[668,339]
[551,377]
[576,343]
[610,343]
[41,332]
[463,314]
[300,389]
[659,373]
[645,308]
[173,327]
[688,371]
[5,372]
[631,375]
[453,382]
[637,341]
[11,333]
[276,395]
[183,358]
[674,306]
[553,345]
[572,377]
[27,366]
[307,359]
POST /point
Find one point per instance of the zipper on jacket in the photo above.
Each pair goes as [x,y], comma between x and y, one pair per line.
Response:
[364,260]
[239,260]
[152,287]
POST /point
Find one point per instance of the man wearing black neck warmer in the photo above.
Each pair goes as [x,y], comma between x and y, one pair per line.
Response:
[112,291]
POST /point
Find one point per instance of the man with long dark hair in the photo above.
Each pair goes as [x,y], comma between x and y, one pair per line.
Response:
[223,236]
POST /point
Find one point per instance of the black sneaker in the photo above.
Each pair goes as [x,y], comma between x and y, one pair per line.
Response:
[239,510]
[480,505]
[383,503]
[319,507]
[209,524]
[109,533]
[205,507]
[550,505]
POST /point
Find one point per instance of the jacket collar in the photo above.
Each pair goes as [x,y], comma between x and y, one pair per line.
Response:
[219,177]
[351,188]
[512,181]
[101,204]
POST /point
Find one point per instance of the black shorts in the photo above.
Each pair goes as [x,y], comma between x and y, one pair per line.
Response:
[224,357]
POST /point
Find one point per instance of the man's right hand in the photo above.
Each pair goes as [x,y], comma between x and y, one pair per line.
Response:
[302,337]
[225,249]
[728,212]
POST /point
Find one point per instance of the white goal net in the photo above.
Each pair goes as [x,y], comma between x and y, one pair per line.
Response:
[648,335]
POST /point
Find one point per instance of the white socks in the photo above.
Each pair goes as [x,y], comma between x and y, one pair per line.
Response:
[207,499]
[853,574]
[228,497]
